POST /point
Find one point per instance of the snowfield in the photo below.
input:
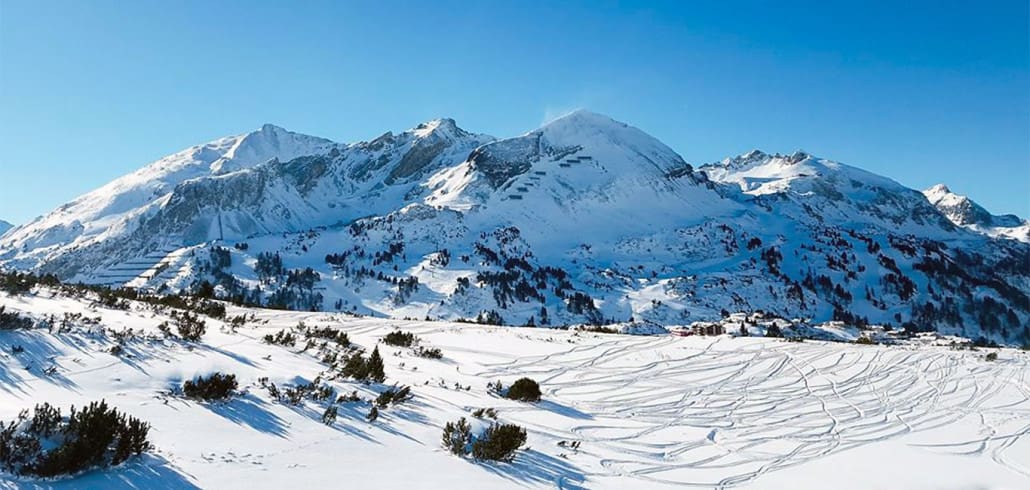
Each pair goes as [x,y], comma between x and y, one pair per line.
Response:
[647,411]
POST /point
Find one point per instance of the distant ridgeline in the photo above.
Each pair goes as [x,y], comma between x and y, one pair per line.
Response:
[584,220]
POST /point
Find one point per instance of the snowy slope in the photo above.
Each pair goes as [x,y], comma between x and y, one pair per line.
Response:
[584,220]
[4,226]
[645,412]
[963,211]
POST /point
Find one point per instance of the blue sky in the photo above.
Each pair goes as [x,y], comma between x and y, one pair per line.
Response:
[921,92]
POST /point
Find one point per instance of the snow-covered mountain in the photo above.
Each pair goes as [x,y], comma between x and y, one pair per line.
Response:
[4,226]
[118,208]
[585,219]
[963,211]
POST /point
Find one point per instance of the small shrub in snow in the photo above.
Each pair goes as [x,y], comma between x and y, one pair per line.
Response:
[13,321]
[429,352]
[864,340]
[328,333]
[499,442]
[398,338]
[991,356]
[190,327]
[373,414]
[49,445]
[457,436]
[371,369]
[525,390]
[284,337]
[218,386]
[480,413]
[351,397]
[393,396]
[329,416]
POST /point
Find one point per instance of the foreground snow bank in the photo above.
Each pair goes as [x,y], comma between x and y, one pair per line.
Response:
[617,411]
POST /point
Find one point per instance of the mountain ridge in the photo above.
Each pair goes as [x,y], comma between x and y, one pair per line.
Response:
[585,219]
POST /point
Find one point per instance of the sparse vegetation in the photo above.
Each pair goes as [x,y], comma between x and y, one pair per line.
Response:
[393,396]
[457,437]
[217,386]
[11,320]
[499,443]
[283,337]
[398,338]
[358,367]
[47,444]
[429,352]
[525,390]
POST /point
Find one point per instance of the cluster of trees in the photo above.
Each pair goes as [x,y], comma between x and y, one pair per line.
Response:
[368,369]
[393,250]
[499,442]
[11,320]
[217,386]
[189,326]
[47,444]
[269,266]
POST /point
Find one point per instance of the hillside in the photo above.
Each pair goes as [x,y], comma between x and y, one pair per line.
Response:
[584,220]
[617,411]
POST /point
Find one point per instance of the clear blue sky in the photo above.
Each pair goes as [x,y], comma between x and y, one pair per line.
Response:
[921,92]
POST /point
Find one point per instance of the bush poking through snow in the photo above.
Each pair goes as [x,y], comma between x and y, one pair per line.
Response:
[457,436]
[49,445]
[393,396]
[480,413]
[524,390]
[499,443]
[398,338]
[284,337]
[371,369]
[190,327]
[13,321]
[329,416]
[429,352]
[218,386]
[991,356]
[372,415]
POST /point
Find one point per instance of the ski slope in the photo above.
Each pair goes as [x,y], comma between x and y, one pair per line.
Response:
[648,411]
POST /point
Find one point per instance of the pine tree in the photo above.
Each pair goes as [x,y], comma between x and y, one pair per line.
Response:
[375,367]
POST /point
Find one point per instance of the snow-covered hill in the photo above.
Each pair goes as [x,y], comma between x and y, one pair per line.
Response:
[585,219]
[4,226]
[617,411]
[963,211]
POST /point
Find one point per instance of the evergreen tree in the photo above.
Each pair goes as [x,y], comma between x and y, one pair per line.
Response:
[375,367]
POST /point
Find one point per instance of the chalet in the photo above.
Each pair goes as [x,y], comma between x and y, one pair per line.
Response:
[705,328]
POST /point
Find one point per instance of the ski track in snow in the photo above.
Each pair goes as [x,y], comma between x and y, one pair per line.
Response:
[809,399]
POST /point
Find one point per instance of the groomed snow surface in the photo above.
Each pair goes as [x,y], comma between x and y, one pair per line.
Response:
[648,412]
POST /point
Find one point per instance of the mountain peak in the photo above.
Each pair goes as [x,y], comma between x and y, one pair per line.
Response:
[938,189]
[444,126]
[269,128]
[583,118]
